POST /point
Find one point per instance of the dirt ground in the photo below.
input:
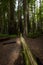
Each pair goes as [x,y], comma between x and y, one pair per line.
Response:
[10,50]
[36,46]
[10,53]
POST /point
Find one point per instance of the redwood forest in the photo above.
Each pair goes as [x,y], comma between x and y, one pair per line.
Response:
[21,32]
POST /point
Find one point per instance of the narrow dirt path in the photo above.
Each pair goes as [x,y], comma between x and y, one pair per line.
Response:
[9,53]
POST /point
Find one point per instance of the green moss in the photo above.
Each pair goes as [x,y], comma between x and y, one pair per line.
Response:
[29,58]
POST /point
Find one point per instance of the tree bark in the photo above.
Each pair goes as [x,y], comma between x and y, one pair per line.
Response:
[11,16]
[25,17]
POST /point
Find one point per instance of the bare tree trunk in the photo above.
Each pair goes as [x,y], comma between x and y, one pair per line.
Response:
[8,16]
[40,18]
[28,22]
[0,19]
[11,16]
[18,17]
[25,17]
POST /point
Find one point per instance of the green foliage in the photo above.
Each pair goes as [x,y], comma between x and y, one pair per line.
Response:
[34,35]
[6,35]
[34,16]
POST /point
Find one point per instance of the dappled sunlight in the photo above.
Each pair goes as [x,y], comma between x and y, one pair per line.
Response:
[13,57]
[18,41]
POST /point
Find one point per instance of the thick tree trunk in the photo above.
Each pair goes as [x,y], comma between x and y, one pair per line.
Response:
[11,16]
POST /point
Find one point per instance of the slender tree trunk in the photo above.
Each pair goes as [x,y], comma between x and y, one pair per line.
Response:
[18,17]
[25,17]
[0,18]
[40,18]
[8,16]
[28,22]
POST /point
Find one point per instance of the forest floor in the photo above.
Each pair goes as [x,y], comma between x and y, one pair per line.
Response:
[10,50]
[36,47]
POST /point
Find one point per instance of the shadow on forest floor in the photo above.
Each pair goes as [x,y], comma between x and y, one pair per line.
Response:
[19,61]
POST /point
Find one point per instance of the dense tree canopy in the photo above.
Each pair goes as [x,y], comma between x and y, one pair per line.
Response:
[21,16]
